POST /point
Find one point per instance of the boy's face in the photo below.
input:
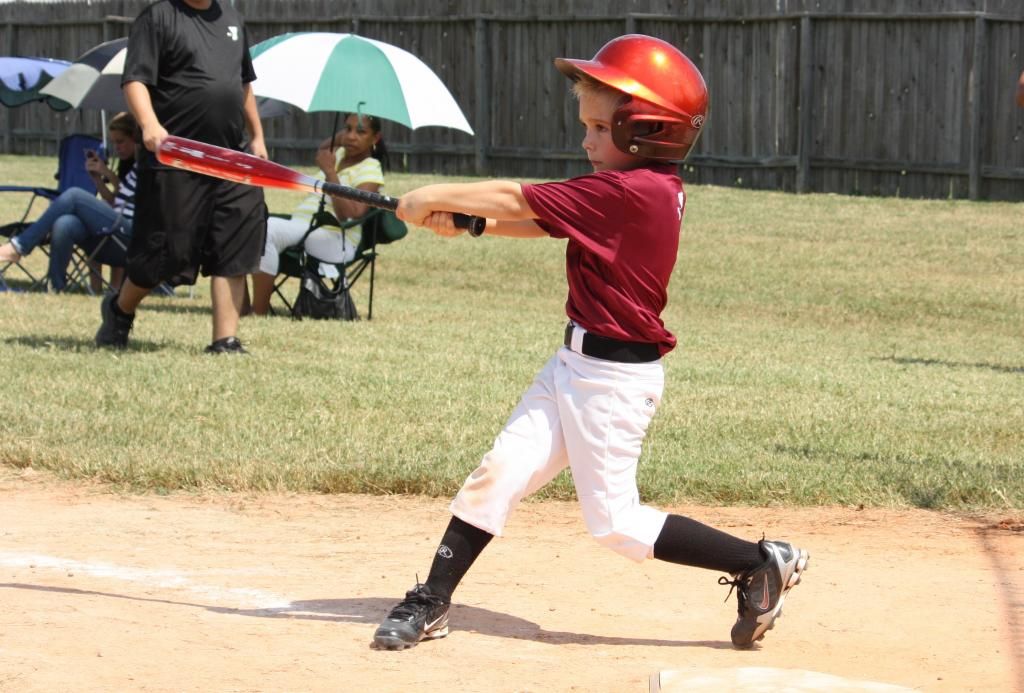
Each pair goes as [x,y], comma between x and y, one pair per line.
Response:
[596,109]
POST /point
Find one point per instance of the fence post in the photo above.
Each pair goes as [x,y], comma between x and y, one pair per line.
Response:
[977,90]
[482,128]
[630,23]
[804,122]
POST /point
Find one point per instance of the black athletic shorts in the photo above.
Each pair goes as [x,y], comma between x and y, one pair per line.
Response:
[186,223]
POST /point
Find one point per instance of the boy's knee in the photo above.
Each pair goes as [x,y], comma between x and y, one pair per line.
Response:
[495,479]
[630,532]
[623,544]
[490,492]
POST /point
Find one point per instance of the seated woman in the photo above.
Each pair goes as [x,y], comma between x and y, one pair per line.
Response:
[355,156]
[78,218]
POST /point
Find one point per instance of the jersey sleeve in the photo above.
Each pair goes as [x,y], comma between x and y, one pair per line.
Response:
[588,209]
[142,59]
[248,71]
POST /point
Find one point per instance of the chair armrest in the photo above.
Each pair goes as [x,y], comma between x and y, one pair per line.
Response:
[42,192]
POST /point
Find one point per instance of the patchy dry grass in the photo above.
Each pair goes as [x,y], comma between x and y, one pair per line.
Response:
[832,350]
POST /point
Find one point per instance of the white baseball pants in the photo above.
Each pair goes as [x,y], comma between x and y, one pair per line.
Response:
[591,415]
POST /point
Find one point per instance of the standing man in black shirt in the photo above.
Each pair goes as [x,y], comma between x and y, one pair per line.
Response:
[188,73]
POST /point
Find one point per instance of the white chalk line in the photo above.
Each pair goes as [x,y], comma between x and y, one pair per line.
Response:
[240,597]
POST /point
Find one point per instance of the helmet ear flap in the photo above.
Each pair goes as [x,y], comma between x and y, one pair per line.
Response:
[645,130]
[622,132]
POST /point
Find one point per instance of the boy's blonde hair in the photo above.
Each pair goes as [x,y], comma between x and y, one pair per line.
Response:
[586,85]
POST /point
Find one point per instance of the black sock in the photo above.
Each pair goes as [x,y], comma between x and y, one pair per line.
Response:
[460,545]
[689,542]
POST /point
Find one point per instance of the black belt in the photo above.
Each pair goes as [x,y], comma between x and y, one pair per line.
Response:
[614,349]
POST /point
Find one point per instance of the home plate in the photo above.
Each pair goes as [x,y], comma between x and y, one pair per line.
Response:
[761,680]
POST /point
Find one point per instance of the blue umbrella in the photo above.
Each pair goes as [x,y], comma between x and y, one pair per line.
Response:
[22,78]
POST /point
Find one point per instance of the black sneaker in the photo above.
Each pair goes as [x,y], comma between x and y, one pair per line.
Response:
[761,591]
[227,345]
[420,616]
[115,327]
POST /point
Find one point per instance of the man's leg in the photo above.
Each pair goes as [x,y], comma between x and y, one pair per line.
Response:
[171,209]
[233,244]
[130,296]
[227,294]
[117,312]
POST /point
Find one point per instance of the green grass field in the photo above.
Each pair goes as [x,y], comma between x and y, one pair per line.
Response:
[833,350]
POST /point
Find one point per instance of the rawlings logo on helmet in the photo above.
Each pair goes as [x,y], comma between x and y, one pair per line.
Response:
[668,98]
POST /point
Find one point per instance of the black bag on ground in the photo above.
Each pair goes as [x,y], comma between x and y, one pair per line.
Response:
[318,300]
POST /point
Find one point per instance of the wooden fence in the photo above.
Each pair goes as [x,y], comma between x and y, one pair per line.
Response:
[879,97]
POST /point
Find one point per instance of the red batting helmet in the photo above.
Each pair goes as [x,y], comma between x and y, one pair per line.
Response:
[669,100]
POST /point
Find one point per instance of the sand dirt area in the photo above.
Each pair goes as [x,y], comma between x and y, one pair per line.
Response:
[103,591]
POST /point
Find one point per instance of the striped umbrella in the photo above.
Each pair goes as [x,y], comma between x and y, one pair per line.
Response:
[349,73]
[94,80]
[22,78]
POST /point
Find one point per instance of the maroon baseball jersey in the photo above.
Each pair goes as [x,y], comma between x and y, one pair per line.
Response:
[623,230]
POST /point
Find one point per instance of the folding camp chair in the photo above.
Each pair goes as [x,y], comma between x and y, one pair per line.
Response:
[84,269]
[71,173]
[379,227]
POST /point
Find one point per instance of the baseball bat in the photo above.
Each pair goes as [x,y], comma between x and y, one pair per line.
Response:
[240,167]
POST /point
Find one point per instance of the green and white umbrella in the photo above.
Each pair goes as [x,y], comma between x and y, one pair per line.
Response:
[344,72]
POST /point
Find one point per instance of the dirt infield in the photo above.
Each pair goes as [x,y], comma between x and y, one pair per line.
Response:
[281,593]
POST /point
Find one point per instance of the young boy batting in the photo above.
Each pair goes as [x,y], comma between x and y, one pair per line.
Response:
[642,104]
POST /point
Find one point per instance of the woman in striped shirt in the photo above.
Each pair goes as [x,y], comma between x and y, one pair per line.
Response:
[355,156]
[78,218]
